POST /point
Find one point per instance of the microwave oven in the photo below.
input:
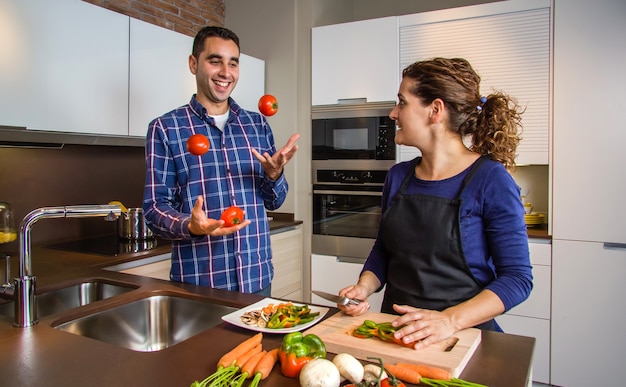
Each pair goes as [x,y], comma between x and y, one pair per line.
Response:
[353,132]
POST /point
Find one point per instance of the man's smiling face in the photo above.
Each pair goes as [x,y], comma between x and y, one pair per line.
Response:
[217,72]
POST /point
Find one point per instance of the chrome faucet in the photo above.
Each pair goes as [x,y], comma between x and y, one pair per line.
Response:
[25,302]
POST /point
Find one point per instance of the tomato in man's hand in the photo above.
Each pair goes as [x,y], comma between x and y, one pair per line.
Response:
[232,216]
[268,105]
[198,144]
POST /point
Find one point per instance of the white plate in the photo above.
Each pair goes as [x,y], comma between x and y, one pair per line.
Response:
[234,318]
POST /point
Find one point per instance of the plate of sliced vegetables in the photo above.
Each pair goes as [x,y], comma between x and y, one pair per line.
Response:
[275,316]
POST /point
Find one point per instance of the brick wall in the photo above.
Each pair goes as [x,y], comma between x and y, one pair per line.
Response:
[184,16]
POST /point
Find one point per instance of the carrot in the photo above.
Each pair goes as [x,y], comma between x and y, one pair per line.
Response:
[240,349]
[241,360]
[427,371]
[249,367]
[403,373]
[246,370]
[265,366]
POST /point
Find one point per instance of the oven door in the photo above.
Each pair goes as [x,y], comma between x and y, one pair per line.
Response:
[345,219]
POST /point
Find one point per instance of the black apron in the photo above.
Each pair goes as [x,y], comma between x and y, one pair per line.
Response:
[427,267]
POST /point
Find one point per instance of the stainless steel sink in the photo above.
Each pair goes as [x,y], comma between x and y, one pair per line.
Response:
[72,296]
[149,324]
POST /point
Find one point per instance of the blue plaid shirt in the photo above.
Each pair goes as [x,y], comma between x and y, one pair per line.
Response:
[228,174]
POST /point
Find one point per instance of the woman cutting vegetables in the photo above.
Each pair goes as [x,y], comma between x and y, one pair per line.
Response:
[452,247]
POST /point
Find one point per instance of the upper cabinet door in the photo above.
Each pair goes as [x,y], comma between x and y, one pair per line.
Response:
[251,84]
[160,79]
[355,60]
[63,66]
[589,122]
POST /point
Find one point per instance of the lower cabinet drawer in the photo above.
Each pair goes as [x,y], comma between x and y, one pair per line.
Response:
[287,260]
[538,303]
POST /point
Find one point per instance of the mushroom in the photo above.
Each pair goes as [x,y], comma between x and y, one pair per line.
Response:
[371,372]
[320,373]
[349,367]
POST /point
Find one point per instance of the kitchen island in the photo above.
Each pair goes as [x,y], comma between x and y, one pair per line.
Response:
[44,356]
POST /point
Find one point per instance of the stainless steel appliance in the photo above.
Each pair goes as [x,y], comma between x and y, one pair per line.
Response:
[131,225]
[353,132]
[353,147]
[346,211]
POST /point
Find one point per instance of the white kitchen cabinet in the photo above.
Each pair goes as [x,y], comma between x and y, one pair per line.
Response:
[251,85]
[97,71]
[588,317]
[157,266]
[287,259]
[538,303]
[589,122]
[159,270]
[532,317]
[331,274]
[63,67]
[589,217]
[355,60]
[160,79]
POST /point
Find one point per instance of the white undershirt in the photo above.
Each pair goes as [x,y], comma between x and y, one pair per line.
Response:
[220,121]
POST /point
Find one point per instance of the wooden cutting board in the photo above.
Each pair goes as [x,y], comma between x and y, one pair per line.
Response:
[336,332]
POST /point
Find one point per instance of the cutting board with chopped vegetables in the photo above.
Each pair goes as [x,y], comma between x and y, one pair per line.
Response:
[451,355]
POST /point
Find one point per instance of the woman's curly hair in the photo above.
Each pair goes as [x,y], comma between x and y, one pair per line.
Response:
[494,123]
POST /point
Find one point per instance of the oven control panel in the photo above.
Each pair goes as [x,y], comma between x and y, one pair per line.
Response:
[347,176]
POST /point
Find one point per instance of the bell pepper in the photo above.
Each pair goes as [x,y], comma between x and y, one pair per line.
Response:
[296,350]
[384,331]
[291,315]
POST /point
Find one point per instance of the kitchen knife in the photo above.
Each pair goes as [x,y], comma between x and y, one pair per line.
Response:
[340,300]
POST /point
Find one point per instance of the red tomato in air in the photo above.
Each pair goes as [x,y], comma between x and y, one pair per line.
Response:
[268,105]
[198,144]
[232,216]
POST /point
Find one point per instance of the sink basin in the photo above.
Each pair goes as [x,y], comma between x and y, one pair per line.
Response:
[72,297]
[150,324]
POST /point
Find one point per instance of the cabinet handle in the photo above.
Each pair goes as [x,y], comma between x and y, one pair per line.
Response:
[614,246]
[347,101]
[358,260]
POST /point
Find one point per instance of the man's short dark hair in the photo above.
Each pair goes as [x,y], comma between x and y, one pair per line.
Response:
[210,31]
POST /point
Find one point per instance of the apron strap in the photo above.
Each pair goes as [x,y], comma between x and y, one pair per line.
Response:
[471,173]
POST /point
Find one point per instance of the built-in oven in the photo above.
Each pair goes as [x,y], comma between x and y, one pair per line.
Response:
[346,210]
[353,147]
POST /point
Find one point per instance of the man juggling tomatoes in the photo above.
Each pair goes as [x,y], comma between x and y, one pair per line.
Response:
[210,158]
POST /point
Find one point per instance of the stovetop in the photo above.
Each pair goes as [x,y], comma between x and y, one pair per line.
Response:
[107,245]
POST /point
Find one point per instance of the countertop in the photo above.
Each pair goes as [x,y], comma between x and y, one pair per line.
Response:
[539,232]
[43,356]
